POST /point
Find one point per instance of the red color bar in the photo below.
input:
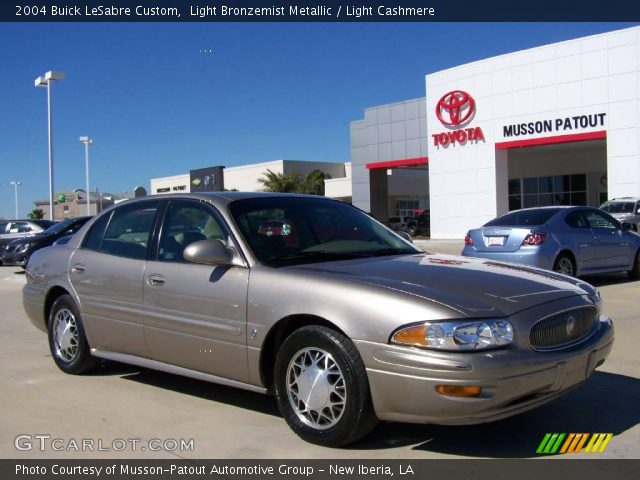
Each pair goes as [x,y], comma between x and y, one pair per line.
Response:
[575,137]
[399,163]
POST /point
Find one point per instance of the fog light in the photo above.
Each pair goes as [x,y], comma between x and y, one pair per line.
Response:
[459,390]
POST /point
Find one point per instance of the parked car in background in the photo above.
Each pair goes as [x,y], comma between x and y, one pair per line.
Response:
[570,240]
[397,223]
[14,229]
[18,251]
[339,317]
[625,209]
[420,225]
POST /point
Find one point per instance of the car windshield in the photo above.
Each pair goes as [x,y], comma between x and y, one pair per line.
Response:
[618,207]
[523,218]
[291,230]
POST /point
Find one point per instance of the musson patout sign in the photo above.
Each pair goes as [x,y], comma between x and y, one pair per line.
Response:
[455,110]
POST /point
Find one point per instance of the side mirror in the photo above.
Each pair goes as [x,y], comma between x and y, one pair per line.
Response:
[626,227]
[208,252]
[406,236]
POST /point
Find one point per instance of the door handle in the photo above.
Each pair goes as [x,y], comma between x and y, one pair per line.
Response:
[155,280]
[78,268]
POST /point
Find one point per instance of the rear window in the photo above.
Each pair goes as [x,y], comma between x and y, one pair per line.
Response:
[524,218]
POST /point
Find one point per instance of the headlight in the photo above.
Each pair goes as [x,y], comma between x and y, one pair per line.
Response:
[25,246]
[456,335]
[597,299]
[593,293]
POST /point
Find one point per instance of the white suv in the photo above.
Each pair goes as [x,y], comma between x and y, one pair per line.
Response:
[624,209]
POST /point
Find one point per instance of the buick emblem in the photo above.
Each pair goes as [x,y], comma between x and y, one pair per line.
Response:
[455,108]
[570,326]
[207,180]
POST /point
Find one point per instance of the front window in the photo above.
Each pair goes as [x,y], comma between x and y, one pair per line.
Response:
[290,230]
[187,222]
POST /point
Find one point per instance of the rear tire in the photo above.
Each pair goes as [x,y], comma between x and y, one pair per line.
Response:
[67,340]
[634,273]
[322,388]
[564,264]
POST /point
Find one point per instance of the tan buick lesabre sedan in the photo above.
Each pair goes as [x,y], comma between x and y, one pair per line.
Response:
[311,299]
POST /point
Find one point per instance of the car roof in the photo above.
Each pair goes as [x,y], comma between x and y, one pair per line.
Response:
[223,198]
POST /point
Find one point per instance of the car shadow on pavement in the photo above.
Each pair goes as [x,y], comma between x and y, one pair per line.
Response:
[209,391]
[606,403]
[604,279]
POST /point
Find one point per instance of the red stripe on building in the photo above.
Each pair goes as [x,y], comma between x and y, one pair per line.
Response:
[399,163]
[575,137]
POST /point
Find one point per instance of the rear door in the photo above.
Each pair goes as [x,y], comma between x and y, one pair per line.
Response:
[584,243]
[195,315]
[107,272]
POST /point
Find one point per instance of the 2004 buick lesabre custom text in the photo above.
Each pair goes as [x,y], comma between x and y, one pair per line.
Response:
[311,299]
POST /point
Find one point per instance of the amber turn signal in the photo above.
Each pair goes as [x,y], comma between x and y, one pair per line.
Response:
[459,390]
[411,336]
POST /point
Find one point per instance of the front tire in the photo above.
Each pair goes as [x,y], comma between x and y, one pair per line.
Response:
[564,264]
[67,340]
[322,388]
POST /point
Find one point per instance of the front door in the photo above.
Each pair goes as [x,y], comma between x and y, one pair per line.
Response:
[195,315]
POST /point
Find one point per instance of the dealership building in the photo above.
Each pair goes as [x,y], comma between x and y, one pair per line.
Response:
[553,125]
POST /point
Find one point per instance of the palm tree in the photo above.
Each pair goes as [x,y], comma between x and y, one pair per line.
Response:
[36,214]
[313,184]
[280,182]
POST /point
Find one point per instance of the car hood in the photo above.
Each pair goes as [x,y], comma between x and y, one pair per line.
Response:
[38,237]
[473,287]
[623,216]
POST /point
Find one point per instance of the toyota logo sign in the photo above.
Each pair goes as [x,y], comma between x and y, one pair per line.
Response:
[455,108]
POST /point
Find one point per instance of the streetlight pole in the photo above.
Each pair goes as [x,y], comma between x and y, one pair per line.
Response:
[15,184]
[45,81]
[87,141]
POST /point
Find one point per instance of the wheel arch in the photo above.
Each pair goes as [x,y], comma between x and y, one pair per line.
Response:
[278,333]
[52,295]
[567,252]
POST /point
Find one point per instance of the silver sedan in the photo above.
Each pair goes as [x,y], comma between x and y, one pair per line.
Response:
[310,299]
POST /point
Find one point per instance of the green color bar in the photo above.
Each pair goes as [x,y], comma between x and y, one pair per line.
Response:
[543,443]
[550,443]
[558,442]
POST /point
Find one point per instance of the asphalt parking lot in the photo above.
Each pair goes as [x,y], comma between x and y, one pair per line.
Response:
[120,402]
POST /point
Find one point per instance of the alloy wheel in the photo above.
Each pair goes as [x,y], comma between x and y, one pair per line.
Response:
[316,388]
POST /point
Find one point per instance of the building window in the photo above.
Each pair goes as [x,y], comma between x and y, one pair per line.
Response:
[65,208]
[408,207]
[543,191]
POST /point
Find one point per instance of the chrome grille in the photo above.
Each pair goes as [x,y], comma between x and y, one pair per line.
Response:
[563,329]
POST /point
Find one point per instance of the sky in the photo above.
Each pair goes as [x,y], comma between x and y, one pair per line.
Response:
[161,99]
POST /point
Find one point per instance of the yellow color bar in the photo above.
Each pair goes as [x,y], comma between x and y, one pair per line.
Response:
[608,437]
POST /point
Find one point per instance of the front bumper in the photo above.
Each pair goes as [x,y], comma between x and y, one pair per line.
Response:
[15,258]
[403,380]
